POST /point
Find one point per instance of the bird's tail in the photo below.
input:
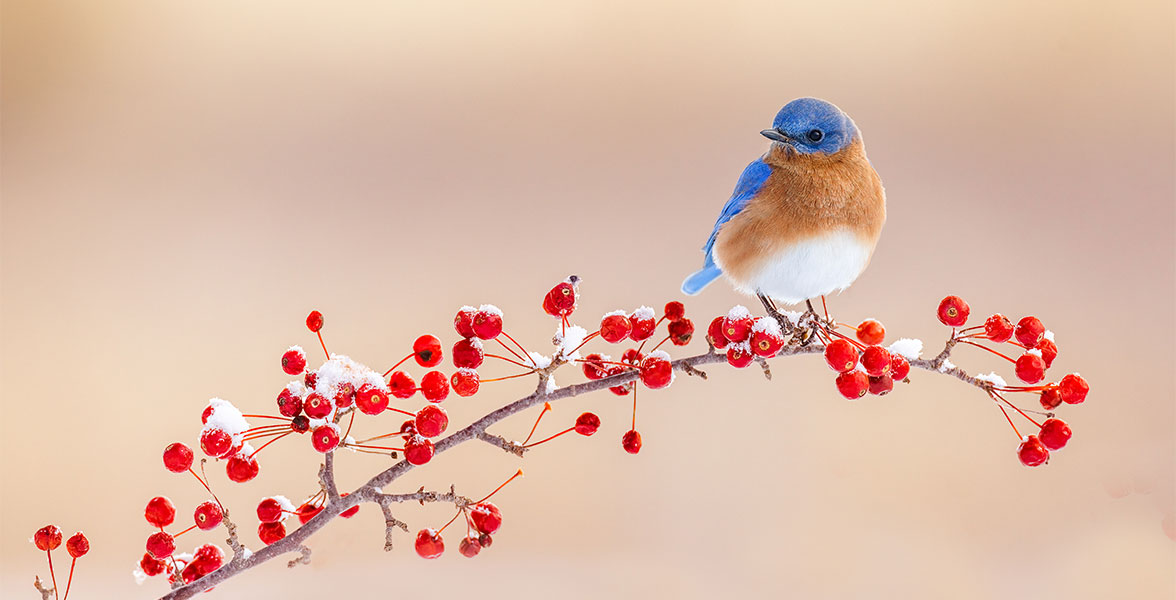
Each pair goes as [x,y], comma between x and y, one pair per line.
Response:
[701,279]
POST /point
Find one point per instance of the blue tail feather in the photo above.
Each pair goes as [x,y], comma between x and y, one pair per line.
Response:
[701,279]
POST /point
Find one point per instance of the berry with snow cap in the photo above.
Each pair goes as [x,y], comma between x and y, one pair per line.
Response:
[418,450]
[644,324]
[766,337]
[465,382]
[317,406]
[371,400]
[739,355]
[737,324]
[242,468]
[463,321]
[289,403]
[468,353]
[487,323]
[294,361]
[656,371]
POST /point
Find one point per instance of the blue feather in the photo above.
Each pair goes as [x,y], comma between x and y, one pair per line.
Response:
[749,185]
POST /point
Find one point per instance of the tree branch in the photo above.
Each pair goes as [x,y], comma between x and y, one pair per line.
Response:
[370,490]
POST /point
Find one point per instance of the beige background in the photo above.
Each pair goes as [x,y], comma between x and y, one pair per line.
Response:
[184,181]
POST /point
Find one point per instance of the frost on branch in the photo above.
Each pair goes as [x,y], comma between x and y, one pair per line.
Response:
[395,418]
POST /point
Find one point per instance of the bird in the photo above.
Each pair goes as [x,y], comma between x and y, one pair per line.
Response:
[804,218]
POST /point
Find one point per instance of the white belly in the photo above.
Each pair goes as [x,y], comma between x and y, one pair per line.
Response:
[815,267]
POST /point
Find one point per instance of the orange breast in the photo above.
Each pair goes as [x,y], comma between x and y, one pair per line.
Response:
[804,197]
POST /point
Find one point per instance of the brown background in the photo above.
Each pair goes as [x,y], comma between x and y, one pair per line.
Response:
[184,181]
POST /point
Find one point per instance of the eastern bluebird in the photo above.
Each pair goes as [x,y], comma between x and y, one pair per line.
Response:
[804,218]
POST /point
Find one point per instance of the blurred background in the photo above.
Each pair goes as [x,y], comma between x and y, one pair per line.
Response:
[184,181]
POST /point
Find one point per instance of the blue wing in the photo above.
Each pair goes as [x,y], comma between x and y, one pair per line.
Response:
[750,182]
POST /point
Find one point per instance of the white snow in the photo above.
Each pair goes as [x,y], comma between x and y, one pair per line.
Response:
[551,387]
[994,379]
[285,503]
[139,575]
[767,325]
[662,354]
[1048,335]
[298,349]
[946,366]
[643,313]
[227,418]
[613,314]
[297,388]
[341,370]
[540,361]
[490,309]
[1034,351]
[738,312]
[569,340]
[907,348]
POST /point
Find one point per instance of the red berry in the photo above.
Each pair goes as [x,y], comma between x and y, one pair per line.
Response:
[1073,389]
[766,338]
[871,332]
[485,540]
[468,353]
[1051,398]
[216,442]
[841,356]
[208,515]
[737,325]
[593,367]
[307,512]
[853,384]
[465,382]
[880,385]
[615,328]
[1029,331]
[427,351]
[739,355]
[204,415]
[953,311]
[300,424]
[674,311]
[177,457]
[314,321]
[371,400]
[631,441]
[293,361]
[715,335]
[998,328]
[160,512]
[561,300]
[876,360]
[643,323]
[1032,452]
[899,367]
[49,537]
[271,532]
[463,322]
[402,385]
[431,421]
[345,395]
[77,545]
[310,379]
[418,450]
[486,517]
[1030,367]
[681,331]
[587,424]
[152,566]
[289,404]
[351,512]
[161,545]
[487,322]
[429,544]
[317,406]
[270,510]
[1054,434]
[470,547]
[1049,351]
[632,356]
[435,386]
[242,468]
[656,371]
[210,557]
[325,438]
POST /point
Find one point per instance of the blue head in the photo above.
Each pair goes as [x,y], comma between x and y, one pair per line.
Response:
[809,126]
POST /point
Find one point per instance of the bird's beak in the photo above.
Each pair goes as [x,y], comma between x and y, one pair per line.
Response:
[776,136]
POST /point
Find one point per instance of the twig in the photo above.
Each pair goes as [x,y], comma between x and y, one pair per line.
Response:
[46,593]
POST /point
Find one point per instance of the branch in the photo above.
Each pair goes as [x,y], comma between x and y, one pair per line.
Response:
[369,491]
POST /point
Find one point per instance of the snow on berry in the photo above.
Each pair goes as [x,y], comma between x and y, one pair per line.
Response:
[644,322]
[907,348]
[294,360]
[568,340]
[737,325]
[656,370]
[766,337]
[226,418]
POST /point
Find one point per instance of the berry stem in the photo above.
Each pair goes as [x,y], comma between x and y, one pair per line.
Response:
[524,350]
[1014,407]
[586,340]
[548,439]
[51,574]
[204,482]
[659,344]
[509,377]
[69,581]
[349,424]
[459,512]
[517,474]
[1010,420]
[513,362]
[509,349]
[323,344]
[971,343]
[184,531]
[389,371]
[634,426]
[268,443]
[546,407]
[375,447]
[266,417]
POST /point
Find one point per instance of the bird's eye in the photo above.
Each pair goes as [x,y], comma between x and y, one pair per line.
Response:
[815,135]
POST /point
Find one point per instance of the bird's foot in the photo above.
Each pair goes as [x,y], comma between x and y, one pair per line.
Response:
[785,324]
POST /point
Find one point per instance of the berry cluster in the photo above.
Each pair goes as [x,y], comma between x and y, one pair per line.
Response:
[482,519]
[1038,349]
[161,557]
[48,539]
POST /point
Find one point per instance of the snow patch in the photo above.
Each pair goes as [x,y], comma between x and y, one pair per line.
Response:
[907,348]
[993,378]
